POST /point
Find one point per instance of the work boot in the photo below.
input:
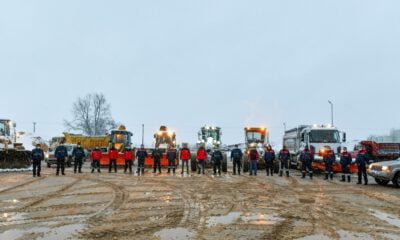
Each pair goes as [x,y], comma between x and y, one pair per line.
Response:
[343,179]
[358,183]
[311,176]
[326,176]
[287,173]
[303,175]
[348,178]
[331,176]
[280,174]
[93,170]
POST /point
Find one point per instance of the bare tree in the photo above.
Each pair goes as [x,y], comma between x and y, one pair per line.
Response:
[91,115]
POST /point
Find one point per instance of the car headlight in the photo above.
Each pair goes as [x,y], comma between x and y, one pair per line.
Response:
[386,169]
[46,155]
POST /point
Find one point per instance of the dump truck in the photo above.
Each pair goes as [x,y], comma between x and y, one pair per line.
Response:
[210,138]
[87,142]
[163,139]
[12,154]
[120,138]
[256,137]
[381,151]
[318,138]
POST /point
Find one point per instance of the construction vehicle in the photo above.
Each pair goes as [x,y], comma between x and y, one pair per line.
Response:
[120,139]
[163,139]
[256,137]
[210,138]
[87,142]
[12,154]
[381,151]
[319,138]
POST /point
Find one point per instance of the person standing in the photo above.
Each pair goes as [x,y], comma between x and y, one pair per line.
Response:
[128,156]
[78,154]
[61,153]
[306,159]
[253,158]
[236,157]
[217,157]
[185,156]
[37,157]
[172,155]
[201,159]
[284,158]
[345,162]
[329,159]
[141,155]
[269,158]
[362,161]
[95,155]
[113,155]
[157,155]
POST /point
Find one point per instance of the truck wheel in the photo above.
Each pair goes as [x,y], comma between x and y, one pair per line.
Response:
[49,165]
[396,180]
[193,164]
[381,182]
[245,164]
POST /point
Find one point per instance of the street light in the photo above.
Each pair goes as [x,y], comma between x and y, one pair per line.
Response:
[331,111]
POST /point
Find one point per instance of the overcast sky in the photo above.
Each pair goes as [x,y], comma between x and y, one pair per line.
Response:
[189,63]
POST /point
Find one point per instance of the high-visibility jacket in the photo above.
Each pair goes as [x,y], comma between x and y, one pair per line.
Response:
[113,154]
[95,155]
[201,154]
[185,154]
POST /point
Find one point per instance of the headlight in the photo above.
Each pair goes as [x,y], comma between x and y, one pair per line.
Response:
[386,169]
[46,155]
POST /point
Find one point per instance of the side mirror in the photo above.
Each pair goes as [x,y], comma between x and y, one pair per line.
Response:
[344,137]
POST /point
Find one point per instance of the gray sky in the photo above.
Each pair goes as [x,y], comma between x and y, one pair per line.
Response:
[188,63]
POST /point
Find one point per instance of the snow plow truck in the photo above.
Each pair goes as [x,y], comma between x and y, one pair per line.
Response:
[120,138]
[163,139]
[12,154]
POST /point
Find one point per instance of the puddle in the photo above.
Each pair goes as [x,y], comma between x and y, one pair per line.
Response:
[175,234]
[261,219]
[231,217]
[392,220]
[11,218]
[315,237]
[345,235]
[60,233]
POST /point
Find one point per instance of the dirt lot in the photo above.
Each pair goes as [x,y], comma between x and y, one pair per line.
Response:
[120,206]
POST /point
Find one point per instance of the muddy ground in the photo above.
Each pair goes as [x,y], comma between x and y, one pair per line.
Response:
[122,206]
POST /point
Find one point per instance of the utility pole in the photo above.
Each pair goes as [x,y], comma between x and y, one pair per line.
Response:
[34,128]
[284,127]
[142,134]
[330,102]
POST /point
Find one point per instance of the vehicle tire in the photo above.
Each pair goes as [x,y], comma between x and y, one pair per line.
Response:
[396,180]
[225,164]
[381,182]
[193,163]
[245,164]
[49,165]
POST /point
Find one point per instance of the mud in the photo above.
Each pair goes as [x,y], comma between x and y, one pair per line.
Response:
[123,206]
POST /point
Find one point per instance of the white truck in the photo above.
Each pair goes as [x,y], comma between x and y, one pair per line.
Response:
[317,137]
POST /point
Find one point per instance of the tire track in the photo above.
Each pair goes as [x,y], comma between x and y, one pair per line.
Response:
[23,184]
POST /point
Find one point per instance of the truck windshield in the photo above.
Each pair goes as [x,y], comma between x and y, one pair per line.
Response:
[214,134]
[120,138]
[254,137]
[164,139]
[4,128]
[324,136]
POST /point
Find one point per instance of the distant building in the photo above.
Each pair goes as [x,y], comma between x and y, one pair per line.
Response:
[394,137]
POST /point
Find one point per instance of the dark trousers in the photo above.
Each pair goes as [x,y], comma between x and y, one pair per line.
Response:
[269,167]
[140,168]
[217,166]
[37,167]
[237,163]
[201,165]
[96,165]
[113,162]
[329,170]
[187,166]
[253,167]
[346,172]
[78,165]
[362,172]
[284,168]
[306,168]
[157,165]
[171,165]
[128,164]
[60,165]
